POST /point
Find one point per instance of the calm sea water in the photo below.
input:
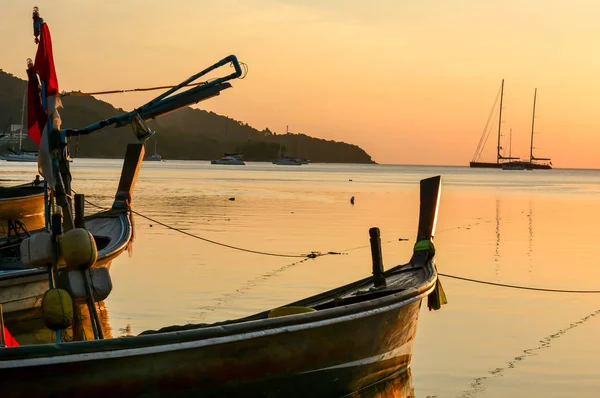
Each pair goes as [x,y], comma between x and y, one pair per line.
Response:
[528,228]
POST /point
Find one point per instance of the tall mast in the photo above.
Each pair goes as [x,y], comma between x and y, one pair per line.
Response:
[22,119]
[510,144]
[500,123]
[532,125]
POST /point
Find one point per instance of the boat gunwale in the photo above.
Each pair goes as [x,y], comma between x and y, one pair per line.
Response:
[105,254]
[220,334]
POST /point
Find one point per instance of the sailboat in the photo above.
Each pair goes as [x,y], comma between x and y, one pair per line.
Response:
[20,155]
[499,157]
[288,161]
[531,164]
[156,156]
[228,158]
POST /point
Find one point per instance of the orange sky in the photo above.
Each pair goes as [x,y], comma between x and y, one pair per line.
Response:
[411,82]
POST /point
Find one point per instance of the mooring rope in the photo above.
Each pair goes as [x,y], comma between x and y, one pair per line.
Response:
[130,90]
[312,254]
[538,289]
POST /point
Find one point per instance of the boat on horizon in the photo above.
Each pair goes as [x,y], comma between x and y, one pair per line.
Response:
[290,162]
[515,163]
[155,156]
[231,159]
[20,155]
[287,160]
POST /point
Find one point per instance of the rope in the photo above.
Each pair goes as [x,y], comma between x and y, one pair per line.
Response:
[538,289]
[313,254]
[243,65]
[80,94]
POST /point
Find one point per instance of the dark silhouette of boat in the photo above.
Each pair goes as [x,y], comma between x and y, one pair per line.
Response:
[501,160]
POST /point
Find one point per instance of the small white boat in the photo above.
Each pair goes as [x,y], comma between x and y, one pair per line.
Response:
[229,158]
[290,162]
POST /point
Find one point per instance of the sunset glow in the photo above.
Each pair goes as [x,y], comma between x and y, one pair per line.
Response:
[410,82]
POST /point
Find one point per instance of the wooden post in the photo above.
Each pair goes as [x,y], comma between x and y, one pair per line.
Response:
[131,167]
[79,210]
[378,276]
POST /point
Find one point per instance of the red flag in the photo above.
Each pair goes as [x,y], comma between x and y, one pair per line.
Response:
[36,117]
[44,61]
[9,340]
[44,67]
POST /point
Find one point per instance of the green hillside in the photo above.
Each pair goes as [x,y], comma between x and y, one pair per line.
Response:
[185,134]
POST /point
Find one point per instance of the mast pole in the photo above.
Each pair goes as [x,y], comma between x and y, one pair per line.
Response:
[532,125]
[500,122]
[510,144]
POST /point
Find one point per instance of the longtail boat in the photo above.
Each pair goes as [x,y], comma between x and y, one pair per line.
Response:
[22,288]
[21,200]
[322,346]
[106,234]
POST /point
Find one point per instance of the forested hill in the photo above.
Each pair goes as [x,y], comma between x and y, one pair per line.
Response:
[185,134]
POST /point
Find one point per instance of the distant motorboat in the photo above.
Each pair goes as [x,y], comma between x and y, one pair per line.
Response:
[290,162]
[230,158]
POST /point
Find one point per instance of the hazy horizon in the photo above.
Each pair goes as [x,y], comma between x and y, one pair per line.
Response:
[409,83]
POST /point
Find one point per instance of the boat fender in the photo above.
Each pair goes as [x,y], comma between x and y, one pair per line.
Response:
[292,310]
[37,250]
[73,282]
[57,309]
[78,248]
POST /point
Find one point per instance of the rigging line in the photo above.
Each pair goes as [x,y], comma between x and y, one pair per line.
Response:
[486,130]
[313,254]
[537,289]
[80,94]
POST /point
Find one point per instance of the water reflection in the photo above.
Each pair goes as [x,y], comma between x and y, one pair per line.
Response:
[400,386]
[27,327]
[530,225]
[497,247]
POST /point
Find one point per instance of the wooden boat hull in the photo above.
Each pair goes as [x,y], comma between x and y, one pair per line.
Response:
[485,165]
[23,289]
[326,353]
[21,201]
[526,165]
